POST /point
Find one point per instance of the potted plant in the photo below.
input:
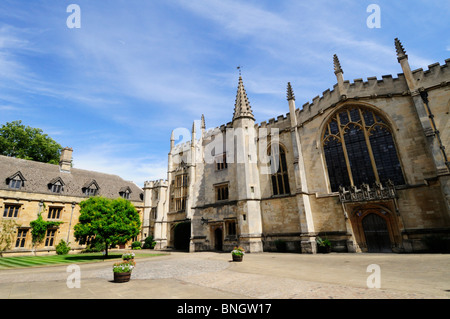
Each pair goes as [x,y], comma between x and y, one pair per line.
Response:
[122,270]
[128,256]
[323,245]
[237,253]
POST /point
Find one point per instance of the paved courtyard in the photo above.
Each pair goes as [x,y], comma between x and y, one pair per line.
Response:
[209,275]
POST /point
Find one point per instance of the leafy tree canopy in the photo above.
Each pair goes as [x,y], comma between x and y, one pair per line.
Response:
[106,220]
[18,140]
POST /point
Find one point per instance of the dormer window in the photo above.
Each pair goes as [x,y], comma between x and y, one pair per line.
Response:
[125,192]
[15,181]
[56,185]
[91,188]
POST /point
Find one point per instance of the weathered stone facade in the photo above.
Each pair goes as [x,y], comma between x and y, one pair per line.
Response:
[363,165]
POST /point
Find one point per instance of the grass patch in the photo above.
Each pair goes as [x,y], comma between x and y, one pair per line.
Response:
[34,261]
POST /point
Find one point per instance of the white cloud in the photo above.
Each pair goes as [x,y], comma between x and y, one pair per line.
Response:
[107,159]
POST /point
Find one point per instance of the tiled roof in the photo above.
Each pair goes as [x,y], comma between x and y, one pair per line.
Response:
[38,176]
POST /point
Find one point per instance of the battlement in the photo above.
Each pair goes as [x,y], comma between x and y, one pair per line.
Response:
[435,75]
[181,147]
[281,122]
[386,87]
[156,183]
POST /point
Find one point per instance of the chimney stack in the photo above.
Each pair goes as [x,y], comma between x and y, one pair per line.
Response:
[65,162]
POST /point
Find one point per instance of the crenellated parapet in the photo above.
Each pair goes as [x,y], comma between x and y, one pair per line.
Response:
[281,122]
[436,75]
[374,88]
[156,184]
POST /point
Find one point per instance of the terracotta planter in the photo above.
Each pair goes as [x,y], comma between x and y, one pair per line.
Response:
[122,276]
[237,258]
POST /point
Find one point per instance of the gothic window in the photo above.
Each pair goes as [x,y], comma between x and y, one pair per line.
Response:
[280,180]
[153,213]
[181,190]
[359,148]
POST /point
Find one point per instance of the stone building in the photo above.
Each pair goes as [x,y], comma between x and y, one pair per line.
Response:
[28,188]
[363,165]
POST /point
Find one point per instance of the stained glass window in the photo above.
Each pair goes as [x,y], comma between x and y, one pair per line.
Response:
[359,148]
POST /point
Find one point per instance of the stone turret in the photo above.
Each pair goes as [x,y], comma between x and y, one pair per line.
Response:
[247,173]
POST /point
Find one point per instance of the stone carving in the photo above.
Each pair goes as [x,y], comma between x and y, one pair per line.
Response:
[367,193]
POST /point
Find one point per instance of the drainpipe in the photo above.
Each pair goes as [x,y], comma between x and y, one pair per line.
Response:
[70,222]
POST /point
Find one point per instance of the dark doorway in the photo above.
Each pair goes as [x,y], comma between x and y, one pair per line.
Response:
[182,236]
[376,233]
[218,241]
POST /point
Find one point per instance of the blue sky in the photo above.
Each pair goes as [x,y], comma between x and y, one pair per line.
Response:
[115,88]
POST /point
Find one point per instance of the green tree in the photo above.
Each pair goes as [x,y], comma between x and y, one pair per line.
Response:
[18,140]
[108,221]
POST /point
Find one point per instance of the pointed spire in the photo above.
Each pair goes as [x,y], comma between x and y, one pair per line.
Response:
[401,53]
[337,65]
[340,77]
[290,93]
[203,125]
[242,106]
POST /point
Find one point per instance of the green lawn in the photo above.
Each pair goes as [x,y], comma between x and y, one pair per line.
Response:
[33,261]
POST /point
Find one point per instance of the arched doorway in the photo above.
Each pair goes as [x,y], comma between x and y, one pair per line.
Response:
[376,234]
[218,239]
[182,235]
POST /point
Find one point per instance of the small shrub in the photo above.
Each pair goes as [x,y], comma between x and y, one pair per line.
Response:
[136,245]
[62,248]
[149,243]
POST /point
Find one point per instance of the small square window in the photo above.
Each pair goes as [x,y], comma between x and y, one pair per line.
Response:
[221,192]
[11,211]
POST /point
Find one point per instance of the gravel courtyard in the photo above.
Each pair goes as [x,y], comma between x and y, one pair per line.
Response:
[209,275]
